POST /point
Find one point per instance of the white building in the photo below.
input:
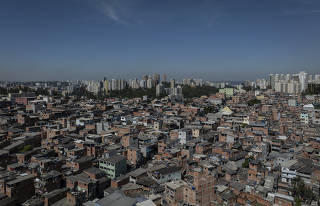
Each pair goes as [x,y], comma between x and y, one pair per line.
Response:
[304,118]
[149,83]
[184,136]
[292,102]
[159,89]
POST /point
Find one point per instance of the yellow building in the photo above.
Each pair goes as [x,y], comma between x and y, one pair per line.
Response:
[106,86]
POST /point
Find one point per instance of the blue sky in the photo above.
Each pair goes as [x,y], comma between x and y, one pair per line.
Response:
[210,39]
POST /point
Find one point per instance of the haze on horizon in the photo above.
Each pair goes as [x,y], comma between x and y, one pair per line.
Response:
[209,39]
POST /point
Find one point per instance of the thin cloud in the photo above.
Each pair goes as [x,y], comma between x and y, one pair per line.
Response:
[128,12]
[316,11]
[304,2]
[109,9]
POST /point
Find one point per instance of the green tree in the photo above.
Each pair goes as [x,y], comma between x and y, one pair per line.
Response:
[246,162]
[209,109]
[297,201]
[190,92]
[312,89]
[252,102]
[302,192]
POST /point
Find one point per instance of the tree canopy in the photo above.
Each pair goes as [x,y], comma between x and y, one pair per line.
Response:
[252,102]
[190,92]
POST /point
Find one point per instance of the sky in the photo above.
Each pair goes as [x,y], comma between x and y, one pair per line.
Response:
[209,39]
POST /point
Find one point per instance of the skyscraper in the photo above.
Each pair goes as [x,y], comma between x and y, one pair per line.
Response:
[172,83]
[303,80]
[164,78]
[156,78]
[106,86]
[145,77]
[159,89]
[114,85]
[93,86]
[143,84]
[135,84]
[149,83]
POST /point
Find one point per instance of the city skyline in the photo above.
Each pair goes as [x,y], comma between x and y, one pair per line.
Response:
[159,102]
[167,78]
[213,40]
